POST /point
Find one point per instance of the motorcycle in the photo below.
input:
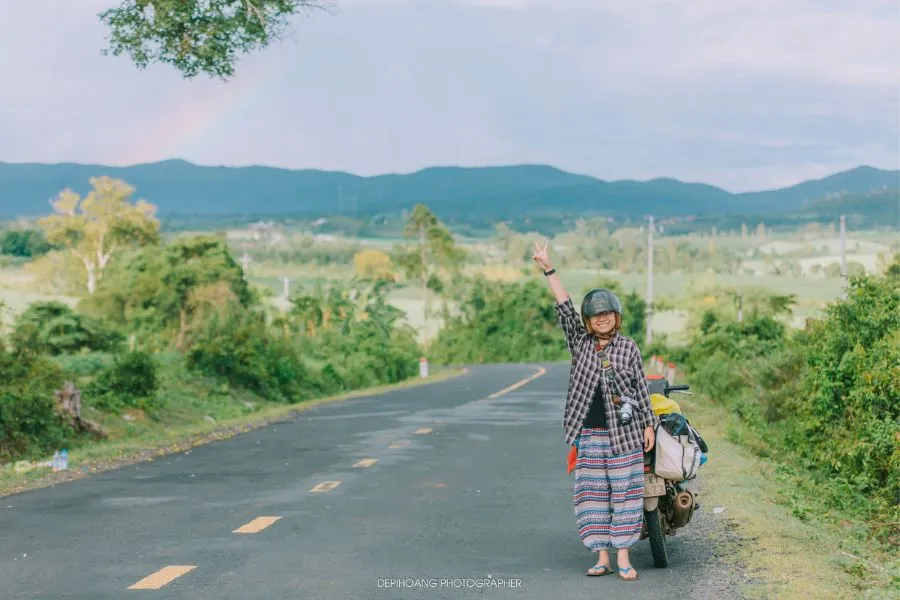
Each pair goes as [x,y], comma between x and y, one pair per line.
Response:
[668,505]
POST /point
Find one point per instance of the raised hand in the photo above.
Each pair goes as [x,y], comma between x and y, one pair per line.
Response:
[543,260]
[540,256]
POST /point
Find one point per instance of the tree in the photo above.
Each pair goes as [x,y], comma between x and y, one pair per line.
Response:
[372,263]
[24,243]
[198,36]
[197,266]
[498,321]
[150,291]
[102,223]
[433,249]
[322,309]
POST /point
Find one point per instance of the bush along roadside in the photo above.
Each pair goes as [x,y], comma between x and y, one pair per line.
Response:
[174,340]
[822,405]
[516,322]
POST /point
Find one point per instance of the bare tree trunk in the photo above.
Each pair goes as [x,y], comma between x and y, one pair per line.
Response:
[68,406]
[91,278]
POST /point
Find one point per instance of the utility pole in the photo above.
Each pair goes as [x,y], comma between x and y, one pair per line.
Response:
[843,257]
[740,301]
[424,256]
[650,282]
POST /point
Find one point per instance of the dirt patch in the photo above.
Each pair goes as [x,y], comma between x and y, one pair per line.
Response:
[724,574]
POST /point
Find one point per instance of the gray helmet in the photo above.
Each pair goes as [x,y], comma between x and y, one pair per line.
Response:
[599,300]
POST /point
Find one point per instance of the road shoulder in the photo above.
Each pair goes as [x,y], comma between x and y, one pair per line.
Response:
[762,546]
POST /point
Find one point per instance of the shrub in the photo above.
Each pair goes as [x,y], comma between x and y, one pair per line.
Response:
[501,322]
[84,364]
[53,327]
[29,425]
[24,243]
[131,380]
[367,354]
[849,421]
[240,349]
[826,396]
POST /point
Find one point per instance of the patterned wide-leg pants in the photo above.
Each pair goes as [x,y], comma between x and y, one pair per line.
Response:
[609,493]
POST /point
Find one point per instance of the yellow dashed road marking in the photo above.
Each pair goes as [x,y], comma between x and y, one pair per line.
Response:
[423,430]
[398,444]
[518,384]
[154,581]
[366,462]
[326,486]
[256,525]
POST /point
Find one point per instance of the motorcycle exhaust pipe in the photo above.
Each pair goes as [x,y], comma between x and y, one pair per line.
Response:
[683,509]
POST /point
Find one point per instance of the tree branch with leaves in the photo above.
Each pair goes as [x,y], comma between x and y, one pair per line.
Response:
[199,36]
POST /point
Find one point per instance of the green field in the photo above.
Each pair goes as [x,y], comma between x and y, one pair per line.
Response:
[676,286]
[811,294]
[15,292]
[18,288]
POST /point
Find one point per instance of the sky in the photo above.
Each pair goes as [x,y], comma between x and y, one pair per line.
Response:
[742,94]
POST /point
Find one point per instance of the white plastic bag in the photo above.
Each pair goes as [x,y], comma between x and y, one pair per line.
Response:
[676,458]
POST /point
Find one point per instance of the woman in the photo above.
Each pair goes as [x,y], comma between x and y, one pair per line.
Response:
[607,371]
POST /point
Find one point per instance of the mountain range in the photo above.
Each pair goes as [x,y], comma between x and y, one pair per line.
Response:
[456,193]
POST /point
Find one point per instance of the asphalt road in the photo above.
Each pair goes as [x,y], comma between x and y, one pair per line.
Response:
[459,487]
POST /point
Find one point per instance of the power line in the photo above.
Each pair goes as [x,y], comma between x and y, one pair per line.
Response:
[650,282]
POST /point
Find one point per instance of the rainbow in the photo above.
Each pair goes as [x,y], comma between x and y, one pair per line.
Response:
[210,107]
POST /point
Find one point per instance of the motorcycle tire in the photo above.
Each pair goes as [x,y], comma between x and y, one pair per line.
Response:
[657,538]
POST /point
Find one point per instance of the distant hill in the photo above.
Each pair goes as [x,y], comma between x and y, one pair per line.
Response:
[855,182]
[875,209]
[454,193]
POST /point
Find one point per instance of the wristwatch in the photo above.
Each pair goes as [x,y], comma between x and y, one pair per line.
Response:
[550,272]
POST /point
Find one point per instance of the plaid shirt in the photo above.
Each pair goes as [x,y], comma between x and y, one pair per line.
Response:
[587,372]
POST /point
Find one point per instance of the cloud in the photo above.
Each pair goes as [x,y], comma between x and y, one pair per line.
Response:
[854,43]
[504,4]
[734,93]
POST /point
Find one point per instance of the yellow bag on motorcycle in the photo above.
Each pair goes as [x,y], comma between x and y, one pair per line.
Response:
[663,405]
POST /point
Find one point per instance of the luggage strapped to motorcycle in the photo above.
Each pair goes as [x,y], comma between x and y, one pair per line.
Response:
[678,449]
[677,456]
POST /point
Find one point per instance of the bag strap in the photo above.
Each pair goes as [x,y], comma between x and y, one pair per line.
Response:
[609,371]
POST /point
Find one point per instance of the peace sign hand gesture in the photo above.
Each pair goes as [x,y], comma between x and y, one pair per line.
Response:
[540,256]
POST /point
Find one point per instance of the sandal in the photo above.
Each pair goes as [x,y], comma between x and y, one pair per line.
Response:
[599,571]
[625,570]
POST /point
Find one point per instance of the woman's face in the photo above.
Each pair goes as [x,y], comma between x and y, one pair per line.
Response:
[604,323]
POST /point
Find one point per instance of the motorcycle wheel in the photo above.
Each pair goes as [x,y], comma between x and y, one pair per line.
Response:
[657,538]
